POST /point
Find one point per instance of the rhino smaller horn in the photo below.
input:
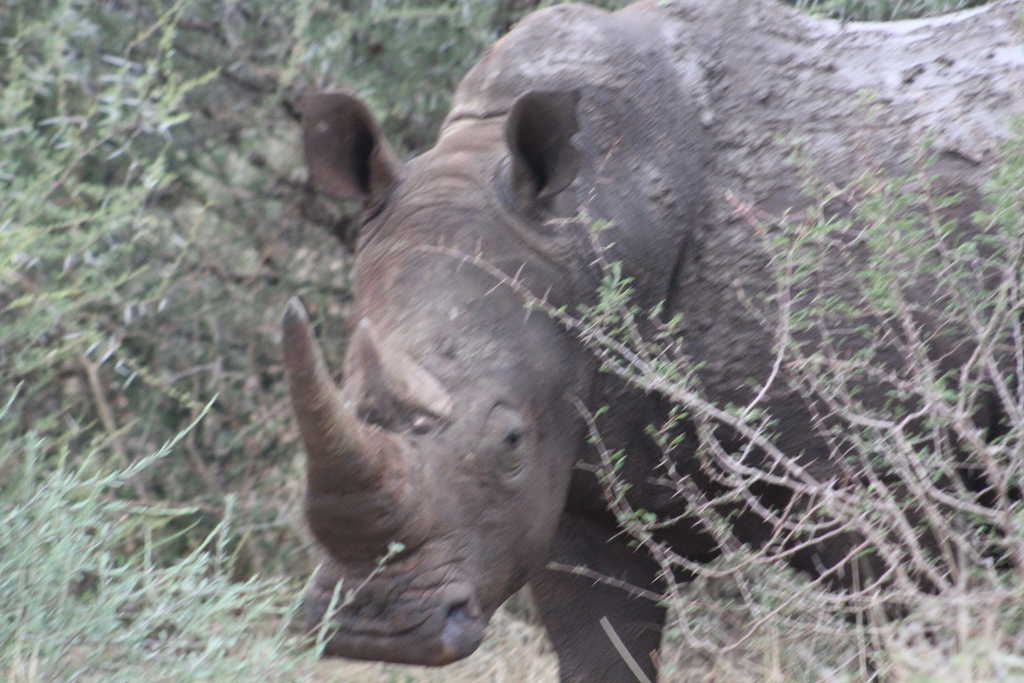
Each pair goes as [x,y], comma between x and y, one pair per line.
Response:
[341,456]
[389,383]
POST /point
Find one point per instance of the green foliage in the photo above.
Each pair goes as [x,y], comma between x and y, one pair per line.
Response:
[84,596]
[84,149]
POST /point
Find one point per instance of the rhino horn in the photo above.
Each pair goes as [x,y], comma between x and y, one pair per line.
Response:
[391,385]
[344,456]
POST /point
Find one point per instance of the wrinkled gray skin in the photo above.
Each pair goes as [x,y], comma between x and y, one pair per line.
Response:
[455,432]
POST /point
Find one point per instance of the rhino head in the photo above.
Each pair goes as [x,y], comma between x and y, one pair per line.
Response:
[453,432]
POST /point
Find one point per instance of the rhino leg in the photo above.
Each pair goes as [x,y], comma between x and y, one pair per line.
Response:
[571,606]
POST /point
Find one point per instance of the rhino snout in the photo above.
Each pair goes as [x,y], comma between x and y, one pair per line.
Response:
[433,631]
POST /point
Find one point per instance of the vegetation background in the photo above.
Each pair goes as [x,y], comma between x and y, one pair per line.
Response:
[154,219]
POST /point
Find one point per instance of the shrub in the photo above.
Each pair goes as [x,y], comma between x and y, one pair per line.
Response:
[874,299]
[85,595]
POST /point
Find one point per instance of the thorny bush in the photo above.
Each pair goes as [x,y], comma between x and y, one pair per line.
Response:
[866,299]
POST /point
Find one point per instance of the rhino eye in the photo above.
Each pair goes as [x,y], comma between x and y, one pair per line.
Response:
[421,424]
[506,433]
[514,438]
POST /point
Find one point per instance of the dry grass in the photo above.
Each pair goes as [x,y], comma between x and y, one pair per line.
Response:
[516,651]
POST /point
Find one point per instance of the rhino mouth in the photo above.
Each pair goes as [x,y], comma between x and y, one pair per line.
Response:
[439,629]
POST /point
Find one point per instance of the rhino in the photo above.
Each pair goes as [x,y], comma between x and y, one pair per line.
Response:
[457,446]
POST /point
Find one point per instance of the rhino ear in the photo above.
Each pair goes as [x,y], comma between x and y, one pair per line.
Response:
[347,155]
[539,131]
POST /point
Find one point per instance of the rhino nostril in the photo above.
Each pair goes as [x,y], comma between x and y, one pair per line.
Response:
[458,621]
[458,613]
[462,631]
